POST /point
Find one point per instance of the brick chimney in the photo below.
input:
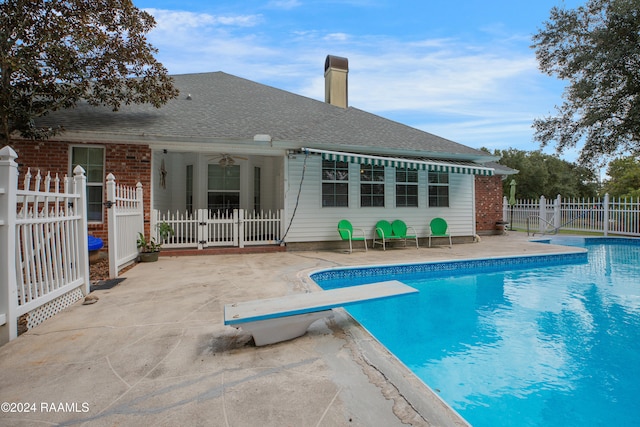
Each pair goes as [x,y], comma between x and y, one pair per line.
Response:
[335,80]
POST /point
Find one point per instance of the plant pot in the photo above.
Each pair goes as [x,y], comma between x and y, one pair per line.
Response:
[501,226]
[94,256]
[149,256]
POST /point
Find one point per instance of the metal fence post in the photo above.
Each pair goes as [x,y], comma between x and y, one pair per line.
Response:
[8,286]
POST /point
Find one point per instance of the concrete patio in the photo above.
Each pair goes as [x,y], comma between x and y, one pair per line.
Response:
[154,351]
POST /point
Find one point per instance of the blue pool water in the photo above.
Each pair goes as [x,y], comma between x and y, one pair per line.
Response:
[526,341]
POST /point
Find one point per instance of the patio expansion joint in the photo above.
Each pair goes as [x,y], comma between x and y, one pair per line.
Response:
[324,414]
[406,412]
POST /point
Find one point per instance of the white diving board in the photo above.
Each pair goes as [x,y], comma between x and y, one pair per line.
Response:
[278,319]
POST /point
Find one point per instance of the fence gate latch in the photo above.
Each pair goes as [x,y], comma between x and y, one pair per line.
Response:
[108,204]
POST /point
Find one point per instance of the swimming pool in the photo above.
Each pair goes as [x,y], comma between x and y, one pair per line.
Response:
[548,340]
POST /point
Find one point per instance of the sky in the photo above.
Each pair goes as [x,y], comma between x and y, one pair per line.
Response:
[463,70]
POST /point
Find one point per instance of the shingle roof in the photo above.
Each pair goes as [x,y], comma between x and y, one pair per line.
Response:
[226,106]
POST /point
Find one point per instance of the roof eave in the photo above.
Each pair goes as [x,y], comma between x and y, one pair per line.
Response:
[377,150]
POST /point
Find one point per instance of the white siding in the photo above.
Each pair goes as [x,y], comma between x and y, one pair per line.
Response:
[312,222]
[172,197]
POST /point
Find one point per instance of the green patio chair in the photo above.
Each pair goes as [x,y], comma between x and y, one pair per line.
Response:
[384,233]
[345,229]
[438,227]
[399,229]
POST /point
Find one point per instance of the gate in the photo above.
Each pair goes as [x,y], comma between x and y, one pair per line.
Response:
[217,228]
[126,220]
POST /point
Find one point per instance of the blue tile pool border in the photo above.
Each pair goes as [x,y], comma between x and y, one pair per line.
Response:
[461,267]
[587,241]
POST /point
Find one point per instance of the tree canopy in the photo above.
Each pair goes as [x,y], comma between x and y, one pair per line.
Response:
[624,178]
[55,53]
[546,175]
[596,48]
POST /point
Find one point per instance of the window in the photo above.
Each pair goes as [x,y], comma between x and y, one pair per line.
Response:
[92,161]
[223,187]
[406,188]
[371,186]
[438,189]
[335,184]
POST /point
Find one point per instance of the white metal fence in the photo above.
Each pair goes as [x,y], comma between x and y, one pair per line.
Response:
[204,228]
[125,208]
[44,261]
[601,215]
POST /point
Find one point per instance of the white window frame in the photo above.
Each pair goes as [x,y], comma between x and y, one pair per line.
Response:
[91,185]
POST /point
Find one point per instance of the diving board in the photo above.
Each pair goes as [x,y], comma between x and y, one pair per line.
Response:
[283,318]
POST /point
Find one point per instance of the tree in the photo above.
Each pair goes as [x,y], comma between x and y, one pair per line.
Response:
[55,53]
[624,178]
[542,174]
[596,48]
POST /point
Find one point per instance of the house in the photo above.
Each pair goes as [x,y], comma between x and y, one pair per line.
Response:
[227,143]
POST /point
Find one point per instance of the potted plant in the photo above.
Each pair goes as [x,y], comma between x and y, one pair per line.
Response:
[150,249]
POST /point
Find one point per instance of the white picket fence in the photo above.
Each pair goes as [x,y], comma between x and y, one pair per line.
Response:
[125,207]
[44,260]
[206,228]
[605,215]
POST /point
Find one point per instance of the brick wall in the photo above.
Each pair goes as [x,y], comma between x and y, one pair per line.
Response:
[488,203]
[130,164]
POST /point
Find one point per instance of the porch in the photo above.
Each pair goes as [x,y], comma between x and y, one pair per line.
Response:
[223,199]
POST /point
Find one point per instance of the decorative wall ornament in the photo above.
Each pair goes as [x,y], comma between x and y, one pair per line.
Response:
[163,175]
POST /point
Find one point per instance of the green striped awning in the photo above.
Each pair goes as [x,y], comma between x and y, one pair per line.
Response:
[418,163]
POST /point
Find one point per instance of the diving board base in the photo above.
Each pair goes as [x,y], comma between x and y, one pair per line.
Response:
[271,331]
[283,318]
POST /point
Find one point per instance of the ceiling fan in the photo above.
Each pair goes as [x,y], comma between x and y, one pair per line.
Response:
[225,160]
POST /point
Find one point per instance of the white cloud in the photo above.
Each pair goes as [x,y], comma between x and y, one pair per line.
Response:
[336,37]
[170,20]
[284,4]
[474,94]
